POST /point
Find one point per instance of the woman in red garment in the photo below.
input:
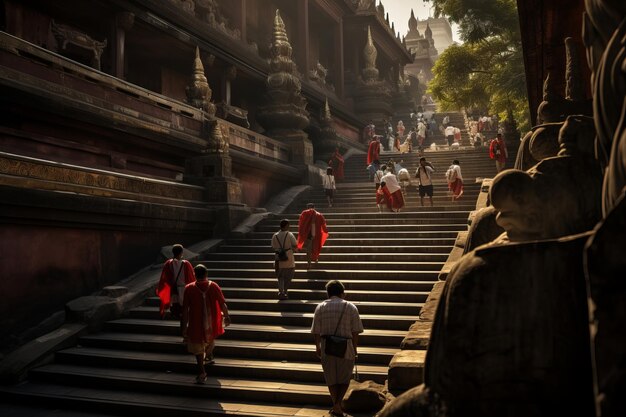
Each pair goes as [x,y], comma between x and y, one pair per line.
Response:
[312,233]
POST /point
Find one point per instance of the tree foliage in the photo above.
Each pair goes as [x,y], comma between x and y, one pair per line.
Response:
[486,72]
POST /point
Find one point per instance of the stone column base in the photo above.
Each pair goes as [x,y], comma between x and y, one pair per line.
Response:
[301,146]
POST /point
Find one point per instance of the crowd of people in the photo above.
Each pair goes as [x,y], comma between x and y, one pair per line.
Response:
[200,306]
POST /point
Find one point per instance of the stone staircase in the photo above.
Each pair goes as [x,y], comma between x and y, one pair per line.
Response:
[265,363]
[457,120]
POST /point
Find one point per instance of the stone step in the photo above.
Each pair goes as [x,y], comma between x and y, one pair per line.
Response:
[179,384]
[288,318]
[407,216]
[255,332]
[396,250]
[224,348]
[328,264]
[303,294]
[391,229]
[295,304]
[335,241]
[369,209]
[268,255]
[185,363]
[374,235]
[414,281]
[122,402]
[318,275]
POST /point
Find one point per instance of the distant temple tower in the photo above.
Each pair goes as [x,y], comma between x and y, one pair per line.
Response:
[440,29]
[423,49]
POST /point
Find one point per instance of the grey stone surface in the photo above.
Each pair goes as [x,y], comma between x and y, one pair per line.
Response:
[415,402]
[430,306]
[362,397]
[15,365]
[93,309]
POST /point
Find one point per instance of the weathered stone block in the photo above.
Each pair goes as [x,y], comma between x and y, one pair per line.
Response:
[430,306]
[406,370]
[418,336]
[93,310]
[364,397]
[114,291]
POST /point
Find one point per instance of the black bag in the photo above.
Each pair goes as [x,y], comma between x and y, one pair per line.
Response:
[337,345]
[281,254]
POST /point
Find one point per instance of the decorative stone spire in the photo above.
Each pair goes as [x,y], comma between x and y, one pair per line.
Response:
[326,116]
[199,93]
[381,9]
[393,27]
[370,73]
[412,22]
[428,32]
[574,89]
[286,108]
[387,19]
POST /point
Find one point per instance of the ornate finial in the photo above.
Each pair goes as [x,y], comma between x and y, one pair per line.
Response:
[381,9]
[547,88]
[412,22]
[286,108]
[387,18]
[574,88]
[326,109]
[428,32]
[199,93]
[370,53]
[393,27]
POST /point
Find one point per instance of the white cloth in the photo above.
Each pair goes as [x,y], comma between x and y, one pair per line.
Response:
[457,171]
[327,315]
[378,176]
[421,129]
[329,182]
[392,182]
[449,131]
[290,243]
[424,174]
[179,276]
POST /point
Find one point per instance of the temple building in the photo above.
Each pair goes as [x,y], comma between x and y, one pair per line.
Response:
[441,29]
[422,46]
[144,122]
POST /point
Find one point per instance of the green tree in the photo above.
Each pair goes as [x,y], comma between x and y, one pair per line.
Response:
[486,72]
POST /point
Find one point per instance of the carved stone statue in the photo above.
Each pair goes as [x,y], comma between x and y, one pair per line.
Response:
[67,35]
[370,72]
[604,33]
[542,141]
[286,108]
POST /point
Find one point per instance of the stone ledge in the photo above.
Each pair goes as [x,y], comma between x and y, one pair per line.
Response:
[430,306]
[454,256]
[483,196]
[406,370]
[16,364]
[418,336]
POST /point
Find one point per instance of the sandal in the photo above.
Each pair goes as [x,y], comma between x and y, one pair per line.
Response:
[201,379]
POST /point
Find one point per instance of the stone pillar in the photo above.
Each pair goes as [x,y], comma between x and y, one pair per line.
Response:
[303,36]
[339,60]
[124,22]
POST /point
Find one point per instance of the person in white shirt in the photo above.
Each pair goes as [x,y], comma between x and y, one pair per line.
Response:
[391,182]
[449,133]
[421,134]
[424,174]
[328,181]
[336,317]
[378,176]
[286,241]
[455,180]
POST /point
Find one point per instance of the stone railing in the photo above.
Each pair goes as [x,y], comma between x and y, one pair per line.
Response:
[25,172]
[255,143]
[27,67]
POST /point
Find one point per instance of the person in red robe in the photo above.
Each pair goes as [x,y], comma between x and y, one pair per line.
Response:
[383,196]
[204,316]
[175,275]
[336,162]
[373,151]
[312,233]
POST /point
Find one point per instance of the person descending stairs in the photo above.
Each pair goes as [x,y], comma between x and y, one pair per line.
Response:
[265,364]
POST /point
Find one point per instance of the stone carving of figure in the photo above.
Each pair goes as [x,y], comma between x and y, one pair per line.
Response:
[604,33]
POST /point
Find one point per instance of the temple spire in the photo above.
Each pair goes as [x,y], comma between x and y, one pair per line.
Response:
[412,22]
[199,92]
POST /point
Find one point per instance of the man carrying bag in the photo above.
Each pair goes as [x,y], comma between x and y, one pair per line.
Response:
[336,327]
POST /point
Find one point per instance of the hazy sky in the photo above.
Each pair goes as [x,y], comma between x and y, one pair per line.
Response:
[400,12]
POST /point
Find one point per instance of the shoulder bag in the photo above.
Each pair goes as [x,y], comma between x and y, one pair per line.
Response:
[337,345]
